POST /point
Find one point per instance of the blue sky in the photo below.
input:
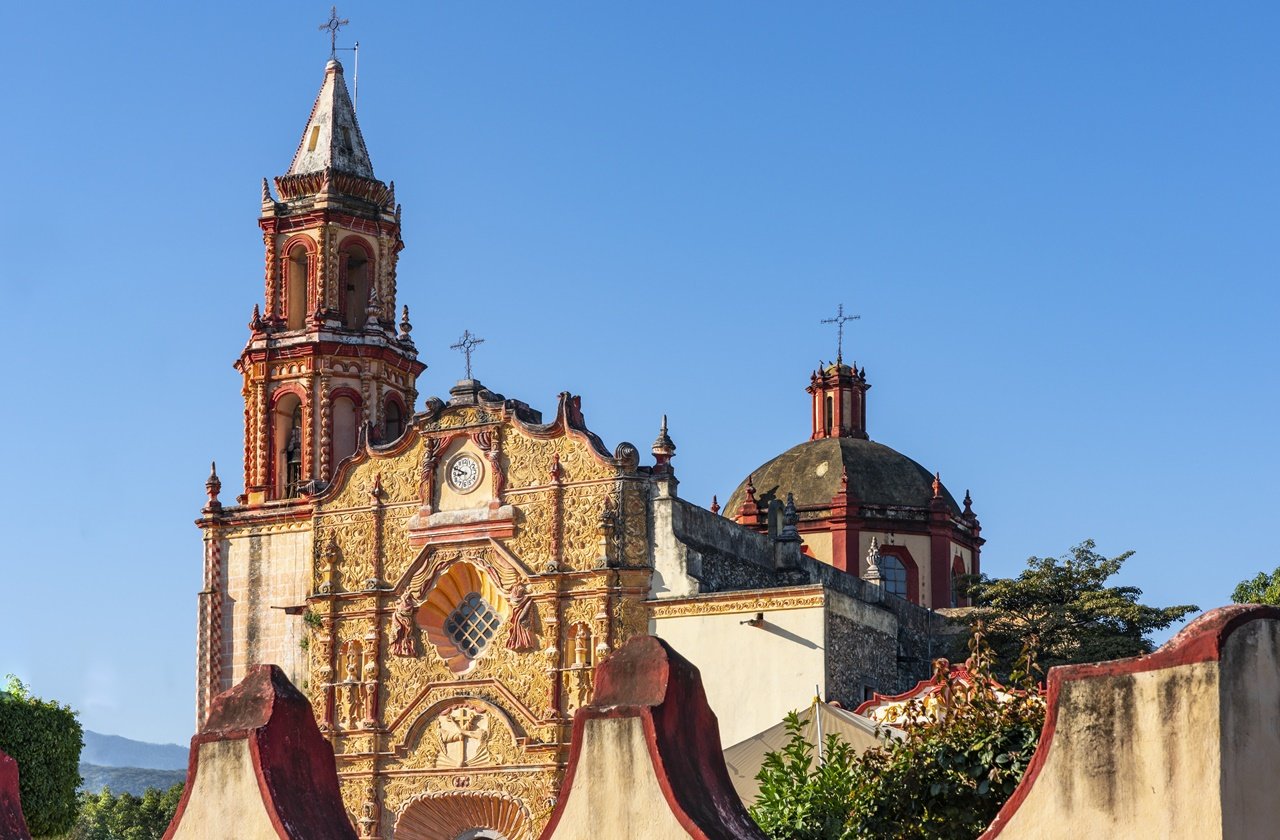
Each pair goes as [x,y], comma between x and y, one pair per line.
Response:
[1058,223]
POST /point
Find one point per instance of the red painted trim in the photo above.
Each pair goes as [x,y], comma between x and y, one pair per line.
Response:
[1200,641]
[13,824]
[920,689]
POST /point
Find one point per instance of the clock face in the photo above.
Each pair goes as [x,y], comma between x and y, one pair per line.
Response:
[464,473]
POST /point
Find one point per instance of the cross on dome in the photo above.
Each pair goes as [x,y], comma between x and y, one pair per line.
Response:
[839,321]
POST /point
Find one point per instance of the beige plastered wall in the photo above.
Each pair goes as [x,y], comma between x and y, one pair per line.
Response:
[819,544]
[225,801]
[264,571]
[752,676]
[615,792]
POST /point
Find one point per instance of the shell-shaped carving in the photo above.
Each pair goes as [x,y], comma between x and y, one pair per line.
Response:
[463,615]
[450,815]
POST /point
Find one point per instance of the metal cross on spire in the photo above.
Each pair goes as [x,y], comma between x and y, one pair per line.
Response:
[333,24]
[839,322]
[466,344]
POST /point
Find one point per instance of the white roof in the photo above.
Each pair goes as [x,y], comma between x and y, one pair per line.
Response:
[745,758]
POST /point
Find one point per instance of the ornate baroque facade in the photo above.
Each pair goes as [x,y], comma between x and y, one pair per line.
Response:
[443,584]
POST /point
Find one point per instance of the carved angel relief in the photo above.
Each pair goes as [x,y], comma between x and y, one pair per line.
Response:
[520,626]
[402,619]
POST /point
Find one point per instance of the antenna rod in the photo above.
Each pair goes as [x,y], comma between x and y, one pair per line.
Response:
[355,78]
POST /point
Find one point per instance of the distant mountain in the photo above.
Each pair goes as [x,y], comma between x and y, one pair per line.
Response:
[114,751]
[133,780]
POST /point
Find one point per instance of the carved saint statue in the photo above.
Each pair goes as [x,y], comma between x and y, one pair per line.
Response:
[402,618]
[520,629]
[464,738]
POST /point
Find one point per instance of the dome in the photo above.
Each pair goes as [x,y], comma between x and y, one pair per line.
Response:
[811,471]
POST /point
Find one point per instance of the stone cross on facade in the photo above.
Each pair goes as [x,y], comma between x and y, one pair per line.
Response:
[466,344]
[839,321]
[332,25]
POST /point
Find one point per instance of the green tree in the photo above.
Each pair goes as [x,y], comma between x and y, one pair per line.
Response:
[45,739]
[962,755]
[1063,609]
[126,817]
[1263,589]
[798,801]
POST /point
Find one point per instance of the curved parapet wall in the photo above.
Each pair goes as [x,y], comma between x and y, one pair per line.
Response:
[1181,743]
[12,823]
[260,769]
[646,761]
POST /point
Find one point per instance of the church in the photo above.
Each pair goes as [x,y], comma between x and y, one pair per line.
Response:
[441,577]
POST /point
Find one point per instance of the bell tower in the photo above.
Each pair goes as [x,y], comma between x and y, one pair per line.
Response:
[324,359]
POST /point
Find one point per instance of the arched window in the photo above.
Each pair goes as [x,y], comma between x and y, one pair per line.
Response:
[295,301]
[393,421]
[293,455]
[346,427]
[355,268]
[893,575]
[288,446]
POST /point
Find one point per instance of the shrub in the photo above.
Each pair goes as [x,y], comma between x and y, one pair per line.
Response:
[45,739]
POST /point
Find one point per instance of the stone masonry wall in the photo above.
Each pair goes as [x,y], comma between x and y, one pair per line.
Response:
[261,572]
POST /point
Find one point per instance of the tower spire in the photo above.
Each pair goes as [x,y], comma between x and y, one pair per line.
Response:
[332,138]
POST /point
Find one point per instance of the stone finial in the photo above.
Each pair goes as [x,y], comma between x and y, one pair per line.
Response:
[751,488]
[873,563]
[664,449]
[213,486]
[968,504]
[790,519]
[266,192]
[937,485]
[715,505]
[663,445]
[255,320]
[405,326]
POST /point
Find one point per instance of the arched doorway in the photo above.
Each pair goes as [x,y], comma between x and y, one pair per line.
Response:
[464,815]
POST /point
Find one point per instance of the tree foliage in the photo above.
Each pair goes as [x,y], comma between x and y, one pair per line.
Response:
[1064,611]
[959,761]
[1263,589]
[104,816]
[45,739]
[798,801]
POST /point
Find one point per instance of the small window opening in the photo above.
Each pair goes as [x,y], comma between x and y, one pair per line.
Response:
[315,137]
[830,413]
[346,140]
